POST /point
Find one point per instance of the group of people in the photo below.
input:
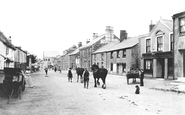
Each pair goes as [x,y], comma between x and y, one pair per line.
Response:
[85,76]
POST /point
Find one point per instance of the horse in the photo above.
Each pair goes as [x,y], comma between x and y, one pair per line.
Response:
[79,72]
[99,73]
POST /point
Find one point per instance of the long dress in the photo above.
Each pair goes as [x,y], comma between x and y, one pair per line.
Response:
[29,82]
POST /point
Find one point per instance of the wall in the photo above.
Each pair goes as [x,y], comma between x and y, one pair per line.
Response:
[178,54]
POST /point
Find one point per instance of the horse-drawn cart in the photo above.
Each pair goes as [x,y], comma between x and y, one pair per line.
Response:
[14,82]
[134,73]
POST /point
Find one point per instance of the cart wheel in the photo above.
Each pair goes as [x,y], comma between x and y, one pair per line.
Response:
[19,92]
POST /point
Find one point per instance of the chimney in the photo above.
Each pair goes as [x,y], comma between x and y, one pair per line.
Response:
[123,35]
[151,26]
[79,44]
[95,35]
[88,40]
[9,39]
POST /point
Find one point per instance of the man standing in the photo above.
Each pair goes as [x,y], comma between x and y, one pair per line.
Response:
[86,78]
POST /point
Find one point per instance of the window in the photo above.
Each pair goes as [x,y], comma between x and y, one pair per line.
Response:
[148,64]
[111,55]
[111,67]
[123,67]
[124,54]
[182,25]
[118,54]
[148,45]
[7,50]
[102,65]
[159,43]
[171,42]
[95,57]
[102,57]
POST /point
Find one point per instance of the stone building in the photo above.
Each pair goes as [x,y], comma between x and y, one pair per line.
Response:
[179,44]
[91,46]
[100,55]
[156,50]
[75,57]
[124,55]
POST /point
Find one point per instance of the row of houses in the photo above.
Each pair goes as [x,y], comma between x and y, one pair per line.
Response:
[11,56]
[159,52]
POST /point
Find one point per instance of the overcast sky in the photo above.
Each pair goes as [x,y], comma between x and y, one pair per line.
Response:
[56,25]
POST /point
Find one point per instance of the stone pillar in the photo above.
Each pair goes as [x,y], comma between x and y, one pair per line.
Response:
[166,68]
[154,68]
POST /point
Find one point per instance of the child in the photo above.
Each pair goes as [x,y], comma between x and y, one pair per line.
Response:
[70,75]
[86,78]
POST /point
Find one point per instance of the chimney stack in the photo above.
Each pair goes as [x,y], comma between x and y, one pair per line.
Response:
[95,35]
[151,26]
[123,35]
[88,40]
[79,44]
[9,39]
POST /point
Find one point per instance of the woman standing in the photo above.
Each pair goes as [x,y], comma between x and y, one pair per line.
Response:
[29,82]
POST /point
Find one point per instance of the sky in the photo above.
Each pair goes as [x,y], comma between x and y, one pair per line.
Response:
[56,25]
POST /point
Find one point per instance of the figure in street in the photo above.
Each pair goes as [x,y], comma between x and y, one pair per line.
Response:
[86,78]
[141,77]
[46,70]
[70,75]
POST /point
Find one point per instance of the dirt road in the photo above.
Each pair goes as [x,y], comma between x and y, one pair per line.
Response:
[54,95]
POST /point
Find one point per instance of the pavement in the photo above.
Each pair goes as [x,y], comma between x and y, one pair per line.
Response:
[167,85]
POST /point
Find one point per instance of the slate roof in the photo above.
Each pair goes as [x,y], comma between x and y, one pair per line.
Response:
[75,52]
[93,41]
[6,41]
[106,47]
[129,42]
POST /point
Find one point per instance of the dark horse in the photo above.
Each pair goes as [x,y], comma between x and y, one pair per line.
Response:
[99,73]
[79,72]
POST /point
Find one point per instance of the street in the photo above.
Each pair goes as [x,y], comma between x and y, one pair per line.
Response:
[54,95]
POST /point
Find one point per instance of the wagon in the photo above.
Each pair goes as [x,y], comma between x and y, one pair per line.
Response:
[14,82]
[132,74]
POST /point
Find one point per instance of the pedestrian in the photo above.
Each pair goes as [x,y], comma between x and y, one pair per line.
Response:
[70,75]
[46,70]
[29,82]
[86,78]
[55,69]
[141,77]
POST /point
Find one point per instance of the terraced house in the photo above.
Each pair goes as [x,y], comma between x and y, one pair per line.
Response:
[91,46]
[156,50]
[124,55]
[179,44]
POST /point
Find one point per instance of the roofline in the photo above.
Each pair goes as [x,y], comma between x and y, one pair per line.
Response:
[165,24]
[177,14]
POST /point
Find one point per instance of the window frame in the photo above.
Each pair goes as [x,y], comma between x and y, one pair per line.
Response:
[111,55]
[148,46]
[171,41]
[162,44]
[118,54]
[181,32]
[124,53]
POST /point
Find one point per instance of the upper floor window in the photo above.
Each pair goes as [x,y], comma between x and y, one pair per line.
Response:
[159,43]
[102,57]
[7,50]
[118,54]
[95,57]
[182,25]
[171,42]
[111,55]
[124,54]
[148,45]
